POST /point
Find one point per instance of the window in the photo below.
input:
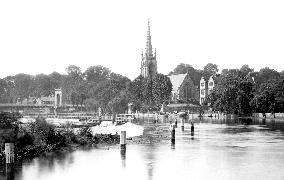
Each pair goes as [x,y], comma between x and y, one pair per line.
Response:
[202,84]
[211,84]
[210,91]
[202,92]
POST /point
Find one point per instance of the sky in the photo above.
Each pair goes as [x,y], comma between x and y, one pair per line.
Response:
[46,36]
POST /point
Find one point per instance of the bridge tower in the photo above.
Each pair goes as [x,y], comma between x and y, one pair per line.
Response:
[58,98]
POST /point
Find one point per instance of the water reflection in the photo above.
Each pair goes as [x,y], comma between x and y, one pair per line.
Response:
[173,145]
[123,157]
[226,149]
[10,171]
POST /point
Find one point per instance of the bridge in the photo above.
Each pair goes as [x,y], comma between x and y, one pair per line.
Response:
[19,107]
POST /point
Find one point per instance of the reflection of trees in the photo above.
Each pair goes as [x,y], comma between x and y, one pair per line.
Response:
[149,151]
[51,161]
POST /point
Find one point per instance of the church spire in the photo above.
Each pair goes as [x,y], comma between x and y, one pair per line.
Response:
[149,51]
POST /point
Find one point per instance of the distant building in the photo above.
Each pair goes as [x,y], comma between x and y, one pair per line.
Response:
[148,62]
[183,88]
[49,100]
[206,88]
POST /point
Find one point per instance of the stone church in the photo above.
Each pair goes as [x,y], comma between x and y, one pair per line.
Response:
[149,62]
[183,87]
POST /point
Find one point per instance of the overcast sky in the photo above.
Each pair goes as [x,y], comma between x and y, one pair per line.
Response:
[45,36]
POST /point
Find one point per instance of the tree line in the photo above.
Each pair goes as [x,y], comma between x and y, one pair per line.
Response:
[244,91]
[94,88]
[239,91]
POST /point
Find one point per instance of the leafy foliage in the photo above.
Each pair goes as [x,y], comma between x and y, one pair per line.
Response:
[232,94]
[150,92]
[161,89]
[209,69]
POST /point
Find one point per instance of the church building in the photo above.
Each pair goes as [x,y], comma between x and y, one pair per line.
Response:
[183,87]
[149,62]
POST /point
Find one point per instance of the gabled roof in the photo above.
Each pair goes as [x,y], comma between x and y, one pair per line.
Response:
[177,80]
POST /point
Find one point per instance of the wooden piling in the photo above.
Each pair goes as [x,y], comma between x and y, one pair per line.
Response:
[123,140]
[9,153]
[172,129]
[182,124]
[192,129]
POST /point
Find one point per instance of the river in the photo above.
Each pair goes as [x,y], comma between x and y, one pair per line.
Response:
[217,150]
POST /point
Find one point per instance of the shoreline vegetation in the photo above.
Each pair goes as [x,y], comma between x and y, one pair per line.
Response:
[36,138]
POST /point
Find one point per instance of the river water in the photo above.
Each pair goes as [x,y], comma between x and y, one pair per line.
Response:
[217,150]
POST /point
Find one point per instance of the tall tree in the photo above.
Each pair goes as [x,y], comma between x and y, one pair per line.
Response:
[97,74]
[209,69]
[232,94]
[22,85]
[269,97]
[245,70]
[266,74]
[74,72]
[161,89]
[42,85]
[3,91]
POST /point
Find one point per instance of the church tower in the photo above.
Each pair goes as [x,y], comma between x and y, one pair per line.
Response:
[148,63]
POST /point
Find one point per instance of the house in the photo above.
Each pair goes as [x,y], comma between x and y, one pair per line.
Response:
[206,88]
[183,88]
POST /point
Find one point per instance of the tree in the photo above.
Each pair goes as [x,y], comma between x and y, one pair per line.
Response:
[3,91]
[42,85]
[245,70]
[266,74]
[97,74]
[8,126]
[119,103]
[74,72]
[23,84]
[161,89]
[269,97]
[105,91]
[209,69]
[11,92]
[56,79]
[282,74]
[150,92]
[232,94]
[136,89]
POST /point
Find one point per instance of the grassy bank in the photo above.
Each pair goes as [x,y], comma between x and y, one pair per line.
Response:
[35,138]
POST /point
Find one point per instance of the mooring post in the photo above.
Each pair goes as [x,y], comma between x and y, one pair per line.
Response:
[123,147]
[9,153]
[172,129]
[182,124]
[176,123]
[9,156]
[192,129]
[123,140]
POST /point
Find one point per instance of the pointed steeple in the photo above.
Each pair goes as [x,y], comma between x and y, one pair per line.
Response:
[148,62]
[149,51]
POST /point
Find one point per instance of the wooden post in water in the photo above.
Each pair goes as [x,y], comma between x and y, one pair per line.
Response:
[192,129]
[176,123]
[182,124]
[9,155]
[123,140]
[173,137]
[123,148]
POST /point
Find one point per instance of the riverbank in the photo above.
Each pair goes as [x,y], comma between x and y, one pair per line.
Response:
[37,137]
